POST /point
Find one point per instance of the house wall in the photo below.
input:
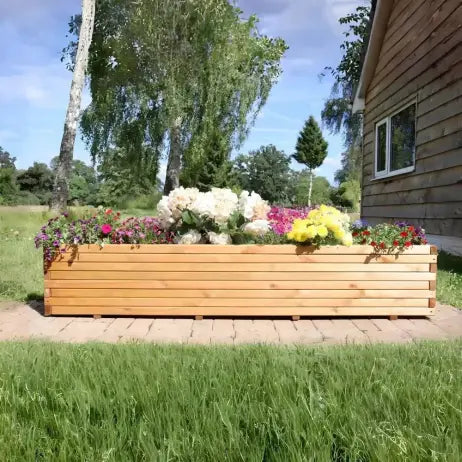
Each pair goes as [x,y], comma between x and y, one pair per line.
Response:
[421,58]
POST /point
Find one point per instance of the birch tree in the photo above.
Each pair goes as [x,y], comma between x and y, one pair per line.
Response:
[66,152]
[173,78]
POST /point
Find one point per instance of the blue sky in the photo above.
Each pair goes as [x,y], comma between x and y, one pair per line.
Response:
[34,84]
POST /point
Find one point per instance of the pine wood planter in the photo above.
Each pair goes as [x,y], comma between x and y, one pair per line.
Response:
[250,280]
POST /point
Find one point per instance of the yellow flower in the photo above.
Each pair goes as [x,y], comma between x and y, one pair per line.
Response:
[339,234]
[347,240]
[311,231]
[322,231]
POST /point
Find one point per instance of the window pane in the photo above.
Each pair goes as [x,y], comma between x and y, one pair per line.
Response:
[403,139]
[381,147]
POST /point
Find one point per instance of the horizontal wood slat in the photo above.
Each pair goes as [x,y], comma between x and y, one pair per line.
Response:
[246,293]
[245,311]
[232,302]
[241,285]
[239,249]
[239,280]
[242,276]
[239,267]
[243,258]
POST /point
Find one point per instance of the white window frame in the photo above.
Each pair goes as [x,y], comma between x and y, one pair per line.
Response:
[387,121]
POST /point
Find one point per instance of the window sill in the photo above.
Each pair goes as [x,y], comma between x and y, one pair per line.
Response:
[403,171]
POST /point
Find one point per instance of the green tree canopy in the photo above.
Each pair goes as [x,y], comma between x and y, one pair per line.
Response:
[311,149]
[321,189]
[37,180]
[265,171]
[337,113]
[176,77]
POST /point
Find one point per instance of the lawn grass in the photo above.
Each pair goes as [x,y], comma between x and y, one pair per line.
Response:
[21,265]
[95,402]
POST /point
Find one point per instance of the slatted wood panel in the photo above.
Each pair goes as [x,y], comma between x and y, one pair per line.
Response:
[420,59]
[240,280]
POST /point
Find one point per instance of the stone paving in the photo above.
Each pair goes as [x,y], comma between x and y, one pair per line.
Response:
[23,322]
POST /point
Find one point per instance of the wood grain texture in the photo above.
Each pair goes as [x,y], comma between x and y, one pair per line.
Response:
[233,281]
[420,59]
[244,311]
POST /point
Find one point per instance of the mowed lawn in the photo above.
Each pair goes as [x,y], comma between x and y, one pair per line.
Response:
[21,265]
[95,402]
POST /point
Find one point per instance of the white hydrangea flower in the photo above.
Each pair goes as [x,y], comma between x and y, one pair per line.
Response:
[164,214]
[257,227]
[180,199]
[203,204]
[225,202]
[219,238]
[252,206]
[191,237]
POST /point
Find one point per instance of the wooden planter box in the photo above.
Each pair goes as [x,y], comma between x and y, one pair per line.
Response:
[246,280]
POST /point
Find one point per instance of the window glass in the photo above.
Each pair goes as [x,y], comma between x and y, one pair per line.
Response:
[381,147]
[402,139]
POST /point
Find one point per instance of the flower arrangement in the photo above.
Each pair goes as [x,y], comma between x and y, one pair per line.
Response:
[323,226]
[101,228]
[389,237]
[281,218]
[145,230]
[218,216]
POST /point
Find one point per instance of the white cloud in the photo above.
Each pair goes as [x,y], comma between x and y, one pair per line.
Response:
[44,86]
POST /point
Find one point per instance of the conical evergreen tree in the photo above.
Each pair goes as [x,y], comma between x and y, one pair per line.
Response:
[311,149]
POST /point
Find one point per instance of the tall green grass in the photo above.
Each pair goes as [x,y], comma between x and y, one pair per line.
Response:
[63,402]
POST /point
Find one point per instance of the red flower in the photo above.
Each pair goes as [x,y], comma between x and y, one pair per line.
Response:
[408,243]
[373,243]
[366,233]
[355,234]
[396,243]
[424,241]
[410,228]
[106,229]
[382,245]
[108,211]
[414,234]
[403,234]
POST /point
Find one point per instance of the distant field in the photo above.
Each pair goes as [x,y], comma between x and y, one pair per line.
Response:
[21,275]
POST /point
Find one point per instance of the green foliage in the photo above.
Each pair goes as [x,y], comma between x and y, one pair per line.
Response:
[37,180]
[336,114]
[350,193]
[134,402]
[123,180]
[265,171]
[197,62]
[311,147]
[320,193]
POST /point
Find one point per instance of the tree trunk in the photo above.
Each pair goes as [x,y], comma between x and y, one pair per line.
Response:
[310,188]
[172,177]
[66,152]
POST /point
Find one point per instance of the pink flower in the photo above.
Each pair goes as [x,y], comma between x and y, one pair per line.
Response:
[106,229]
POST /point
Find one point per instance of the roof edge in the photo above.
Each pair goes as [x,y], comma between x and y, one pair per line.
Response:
[379,27]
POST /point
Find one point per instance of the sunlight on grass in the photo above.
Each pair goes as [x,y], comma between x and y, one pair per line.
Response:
[145,402]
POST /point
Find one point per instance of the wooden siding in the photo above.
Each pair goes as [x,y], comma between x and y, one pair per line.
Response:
[279,280]
[421,58]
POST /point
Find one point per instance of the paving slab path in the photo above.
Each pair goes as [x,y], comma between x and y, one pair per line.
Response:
[24,322]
